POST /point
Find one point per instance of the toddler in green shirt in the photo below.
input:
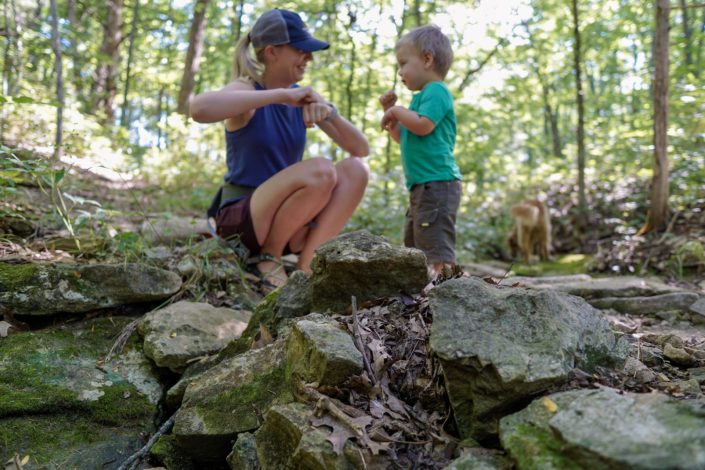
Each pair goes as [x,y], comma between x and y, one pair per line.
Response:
[426,131]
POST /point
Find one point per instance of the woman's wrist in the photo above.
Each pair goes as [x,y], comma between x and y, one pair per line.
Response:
[333,112]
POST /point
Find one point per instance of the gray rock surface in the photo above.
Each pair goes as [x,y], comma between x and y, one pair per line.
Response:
[366,266]
[648,305]
[45,289]
[500,346]
[180,332]
[616,430]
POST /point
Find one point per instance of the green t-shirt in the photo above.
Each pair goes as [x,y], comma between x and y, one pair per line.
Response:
[430,157]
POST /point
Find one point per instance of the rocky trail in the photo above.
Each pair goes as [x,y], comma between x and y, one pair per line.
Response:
[163,352]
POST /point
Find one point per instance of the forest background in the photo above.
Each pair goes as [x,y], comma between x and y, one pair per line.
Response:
[554,98]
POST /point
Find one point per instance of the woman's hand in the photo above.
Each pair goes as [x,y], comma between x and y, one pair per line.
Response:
[299,96]
[388,99]
[315,113]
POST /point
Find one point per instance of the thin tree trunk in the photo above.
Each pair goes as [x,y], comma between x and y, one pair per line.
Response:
[105,84]
[193,56]
[353,65]
[688,35]
[388,149]
[701,41]
[56,44]
[237,31]
[417,13]
[582,202]
[658,211]
[133,33]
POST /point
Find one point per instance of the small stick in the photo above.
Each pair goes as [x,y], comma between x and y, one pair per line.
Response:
[140,454]
[358,341]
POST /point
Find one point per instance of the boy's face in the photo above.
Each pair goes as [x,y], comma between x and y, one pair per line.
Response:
[415,69]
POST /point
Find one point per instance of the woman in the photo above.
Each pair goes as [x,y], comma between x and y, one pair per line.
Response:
[275,202]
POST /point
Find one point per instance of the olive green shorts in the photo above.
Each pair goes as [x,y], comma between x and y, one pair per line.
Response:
[430,219]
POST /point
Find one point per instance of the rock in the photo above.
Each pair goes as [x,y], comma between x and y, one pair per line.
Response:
[649,355]
[698,307]
[166,231]
[44,289]
[688,387]
[662,340]
[231,398]
[499,346]
[57,406]
[187,266]
[636,431]
[319,351]
[244,454]
[647,305]
[292,300]
[180,332]
[678,356]
[480,459]
[698,373]
[287,440]
[545,281]
[637,370]
[167,452]
[366,266]
[611,287]
[195,369]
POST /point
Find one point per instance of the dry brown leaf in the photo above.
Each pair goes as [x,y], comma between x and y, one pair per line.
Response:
[339,434]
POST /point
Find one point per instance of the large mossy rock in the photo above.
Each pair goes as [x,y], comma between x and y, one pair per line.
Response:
[319,351]
[366,266]
[63,411]
[606,429]
[178,333]
[500,346]
[45,289]
[231,398]
[286,440]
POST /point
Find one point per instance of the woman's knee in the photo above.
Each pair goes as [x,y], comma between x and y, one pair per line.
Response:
[322,172]
[355,170]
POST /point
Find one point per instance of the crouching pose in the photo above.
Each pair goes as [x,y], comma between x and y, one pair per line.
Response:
[532,231]
[274,201]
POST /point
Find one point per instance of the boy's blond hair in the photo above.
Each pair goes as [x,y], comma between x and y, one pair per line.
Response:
[429,39]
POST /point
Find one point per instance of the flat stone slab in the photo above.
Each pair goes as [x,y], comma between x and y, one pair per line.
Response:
[183,331]
[174,229]
[622,286]
[578,428]
[648,305]
[46,289]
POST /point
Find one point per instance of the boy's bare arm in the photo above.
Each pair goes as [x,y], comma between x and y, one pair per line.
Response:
[419,125]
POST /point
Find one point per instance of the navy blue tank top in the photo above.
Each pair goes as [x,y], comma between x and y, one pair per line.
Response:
[272,140]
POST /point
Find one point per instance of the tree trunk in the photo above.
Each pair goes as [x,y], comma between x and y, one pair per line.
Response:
[237,31]
[105,82]
[417,13]
[353,66]
[701,41]
[193,56]
[56,45]
[658,211]
[124,122]
[388,149]
[582,202]
[688,35]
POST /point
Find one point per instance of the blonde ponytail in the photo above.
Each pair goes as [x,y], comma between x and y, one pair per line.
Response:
[245,67]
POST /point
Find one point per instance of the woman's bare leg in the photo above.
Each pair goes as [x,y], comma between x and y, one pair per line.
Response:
[347,194]
[282,205]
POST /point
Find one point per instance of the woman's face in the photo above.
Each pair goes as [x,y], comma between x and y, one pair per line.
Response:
[290,63]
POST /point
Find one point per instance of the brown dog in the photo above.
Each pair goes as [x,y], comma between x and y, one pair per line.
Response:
[532,231]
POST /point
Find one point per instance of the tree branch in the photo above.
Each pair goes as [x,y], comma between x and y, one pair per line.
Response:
[474,70]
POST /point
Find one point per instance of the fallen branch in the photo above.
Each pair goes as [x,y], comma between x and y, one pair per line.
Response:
[137,457]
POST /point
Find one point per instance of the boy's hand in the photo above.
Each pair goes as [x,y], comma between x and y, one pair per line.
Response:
[389,120]
[298,96]
[388,99]
[315,113]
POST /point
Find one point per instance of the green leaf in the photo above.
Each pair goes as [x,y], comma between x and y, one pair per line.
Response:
[23,100]
[59,175]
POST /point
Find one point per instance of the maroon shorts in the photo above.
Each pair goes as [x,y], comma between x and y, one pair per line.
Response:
[234,220]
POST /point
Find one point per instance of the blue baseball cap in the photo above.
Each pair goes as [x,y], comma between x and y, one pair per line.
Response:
[277,27]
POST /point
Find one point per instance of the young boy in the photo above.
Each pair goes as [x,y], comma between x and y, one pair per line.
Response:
[426,132]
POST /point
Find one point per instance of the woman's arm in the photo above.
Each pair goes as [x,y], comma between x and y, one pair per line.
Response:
[346,135]
[238,100]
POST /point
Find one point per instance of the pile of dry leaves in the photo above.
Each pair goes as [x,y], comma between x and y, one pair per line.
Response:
[398,404]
